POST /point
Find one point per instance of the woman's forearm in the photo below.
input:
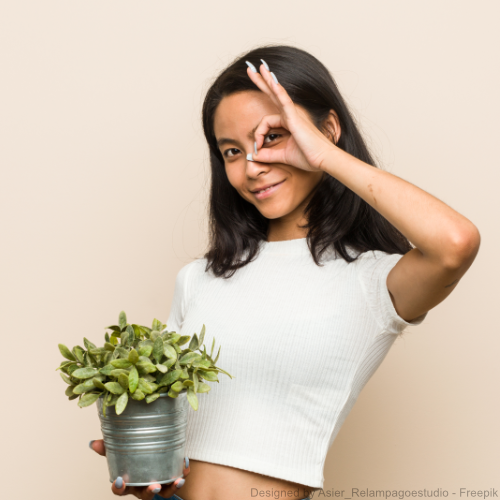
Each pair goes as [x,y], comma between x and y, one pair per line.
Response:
[438,231]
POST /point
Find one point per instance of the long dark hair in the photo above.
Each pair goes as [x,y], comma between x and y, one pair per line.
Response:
[336,216]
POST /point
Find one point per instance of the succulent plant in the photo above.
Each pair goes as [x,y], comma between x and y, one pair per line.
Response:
[140,363]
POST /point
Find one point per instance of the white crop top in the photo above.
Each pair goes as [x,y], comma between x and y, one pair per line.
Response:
[300,341]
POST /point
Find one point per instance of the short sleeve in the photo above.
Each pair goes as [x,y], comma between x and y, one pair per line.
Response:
[179,300]
[373,268]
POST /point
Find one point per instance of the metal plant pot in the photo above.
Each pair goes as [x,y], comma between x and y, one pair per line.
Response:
[146,443]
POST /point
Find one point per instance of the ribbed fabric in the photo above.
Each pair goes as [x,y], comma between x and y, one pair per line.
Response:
[300,340]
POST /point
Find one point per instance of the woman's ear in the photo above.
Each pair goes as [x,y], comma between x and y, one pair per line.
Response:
[331,127]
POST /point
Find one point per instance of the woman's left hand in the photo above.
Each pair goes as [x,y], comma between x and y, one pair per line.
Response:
[306,146]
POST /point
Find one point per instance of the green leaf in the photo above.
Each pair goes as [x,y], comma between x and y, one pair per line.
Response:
[145,367]
[106,337]
[152,397]
[145,349]
[66,352]
[112,399]
[138,395]
[162,368]
[217,357]
[83,373]
[190,356]
[64,365]
[78,353]
[156,325]
[173,394]
[123,380]
[177,386]
[125,338]
[133,379]
[193,345]
[98,383]
[65,378]
[69,390]
[121,363]
[169,351]
[106,358]
[109,347]
[202,387]
[86,386]
[222,371]
[182,340]
[131,334]
[71,368]
[194,378]
[120,352]
[117,372]
[114,388]
[133,356]
[113,341]
[137,331]
[206,363]
[208,375]
[170,377]
[89,360]
[169,362]
[202,335]
[213,345]
[115,328]
[88,344]
[173,339]
[145,387]
[88,399]
[73,396]
[158,349]
[107,370]
[122,320]
[192,398]
[188,383]
[121,404]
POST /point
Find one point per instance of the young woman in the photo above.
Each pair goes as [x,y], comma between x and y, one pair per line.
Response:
[309,278]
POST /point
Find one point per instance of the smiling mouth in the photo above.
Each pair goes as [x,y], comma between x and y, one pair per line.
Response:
[267,189]
[266,193]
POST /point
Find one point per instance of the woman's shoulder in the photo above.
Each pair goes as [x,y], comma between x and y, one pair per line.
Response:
[191,270]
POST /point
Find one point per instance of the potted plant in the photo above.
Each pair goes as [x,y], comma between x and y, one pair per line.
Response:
[142,381]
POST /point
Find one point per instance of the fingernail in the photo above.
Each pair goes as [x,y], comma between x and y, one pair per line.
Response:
[255,146]
[119,482]
[251,66]
[157,490]
[186,461]
[274,77]
[90,444]
[249,157]
[180,483]
[265,64]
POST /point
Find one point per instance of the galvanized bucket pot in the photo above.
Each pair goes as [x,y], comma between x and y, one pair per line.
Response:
[146,443]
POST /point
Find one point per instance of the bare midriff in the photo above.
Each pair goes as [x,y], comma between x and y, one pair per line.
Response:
[208,481]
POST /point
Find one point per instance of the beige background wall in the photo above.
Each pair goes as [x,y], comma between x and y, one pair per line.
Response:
[104,184]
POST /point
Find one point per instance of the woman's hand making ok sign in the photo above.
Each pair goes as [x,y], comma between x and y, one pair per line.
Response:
[306,147]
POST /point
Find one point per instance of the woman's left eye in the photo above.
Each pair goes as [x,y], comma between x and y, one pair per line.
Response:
[278,135]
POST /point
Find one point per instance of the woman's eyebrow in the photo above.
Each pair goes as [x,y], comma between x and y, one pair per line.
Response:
[226,140]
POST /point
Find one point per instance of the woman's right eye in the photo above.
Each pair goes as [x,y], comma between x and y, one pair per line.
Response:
[228,150]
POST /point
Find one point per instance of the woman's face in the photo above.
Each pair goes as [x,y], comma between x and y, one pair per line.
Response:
[235,118]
